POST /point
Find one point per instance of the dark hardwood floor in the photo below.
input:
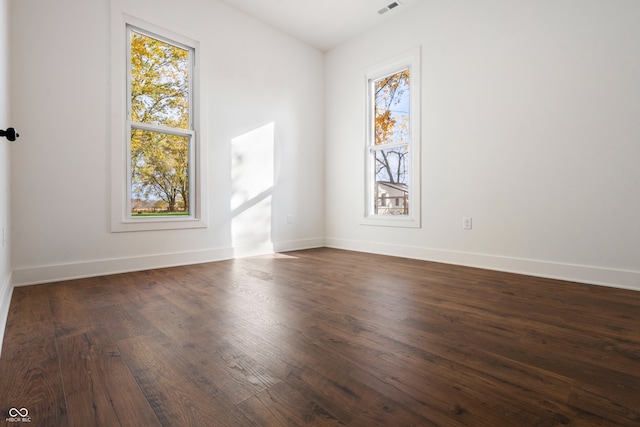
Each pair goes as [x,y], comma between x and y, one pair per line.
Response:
[322,337]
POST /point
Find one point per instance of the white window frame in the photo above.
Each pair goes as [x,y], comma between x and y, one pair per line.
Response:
[121,125]
[410,60]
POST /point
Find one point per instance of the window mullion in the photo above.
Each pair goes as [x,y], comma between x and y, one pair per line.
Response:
[389,146]
[160,129]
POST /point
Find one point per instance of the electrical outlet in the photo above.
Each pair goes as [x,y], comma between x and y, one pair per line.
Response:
[466,223]
[289,219]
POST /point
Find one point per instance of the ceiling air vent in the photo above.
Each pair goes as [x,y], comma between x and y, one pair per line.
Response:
[388,7]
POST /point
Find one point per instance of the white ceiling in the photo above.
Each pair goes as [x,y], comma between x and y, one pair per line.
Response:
[323,24]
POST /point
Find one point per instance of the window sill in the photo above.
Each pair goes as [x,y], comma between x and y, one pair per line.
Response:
[391,221]
[147,224]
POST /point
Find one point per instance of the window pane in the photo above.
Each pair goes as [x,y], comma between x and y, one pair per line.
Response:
[391,181]
[159,173]
[392,108]
[159,82]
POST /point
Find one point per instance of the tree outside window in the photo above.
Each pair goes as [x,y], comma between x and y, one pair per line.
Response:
[161,126]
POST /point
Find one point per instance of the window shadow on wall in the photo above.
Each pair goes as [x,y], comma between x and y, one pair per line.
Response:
[252,181]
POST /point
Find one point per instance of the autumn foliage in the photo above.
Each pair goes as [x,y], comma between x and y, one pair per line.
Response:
[389,92]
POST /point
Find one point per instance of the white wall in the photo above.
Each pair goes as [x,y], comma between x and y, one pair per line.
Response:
[531,125]
[253,76]
[5,264]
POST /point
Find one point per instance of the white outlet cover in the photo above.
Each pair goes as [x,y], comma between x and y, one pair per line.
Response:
[467,223]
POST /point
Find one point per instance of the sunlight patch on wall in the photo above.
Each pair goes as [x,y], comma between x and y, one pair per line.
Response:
[252,179]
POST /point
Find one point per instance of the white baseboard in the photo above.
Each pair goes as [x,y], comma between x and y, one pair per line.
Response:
[269,248]
[298,245]
[624,279]
[78,270]
[6,290]
[56,273]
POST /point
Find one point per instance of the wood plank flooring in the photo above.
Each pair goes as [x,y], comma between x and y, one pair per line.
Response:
[322,337]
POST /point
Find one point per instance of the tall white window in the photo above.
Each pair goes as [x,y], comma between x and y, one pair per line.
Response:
[156,156]
[393,142]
